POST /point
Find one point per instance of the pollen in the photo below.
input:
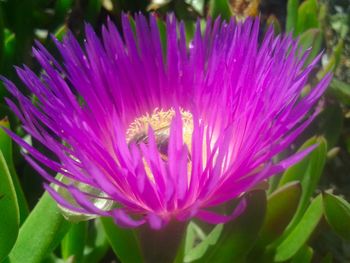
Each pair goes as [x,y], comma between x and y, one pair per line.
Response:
[160,121]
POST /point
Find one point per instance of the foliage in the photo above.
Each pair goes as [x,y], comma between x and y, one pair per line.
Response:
[287,223]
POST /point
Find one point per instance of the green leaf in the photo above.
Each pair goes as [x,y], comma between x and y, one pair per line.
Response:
[6,148]
[41,232]
[9,211]
[193,234]
[302,232]
[52,258]
[307,16]
[281,206]
[220,8]
[272,20]
[190,30]
[238,236]
[74,241]
[312,38]
[341,90]
[2,37]
[62,8]
[308,172]
[9,48]
[333,61]
[330,123]
[8,56]
[97,243]
[337,212]
[196,252]
[122,241]
[5,141]
[304,255]
[292,15]
[162,35]
[61,32]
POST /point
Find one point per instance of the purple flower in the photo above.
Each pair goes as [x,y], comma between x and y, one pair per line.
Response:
[143,134]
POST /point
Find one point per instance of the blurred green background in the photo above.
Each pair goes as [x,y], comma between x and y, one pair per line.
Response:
[322,24]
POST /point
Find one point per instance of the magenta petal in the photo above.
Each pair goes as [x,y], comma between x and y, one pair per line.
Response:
[165,135]
[124,220]
[214,218]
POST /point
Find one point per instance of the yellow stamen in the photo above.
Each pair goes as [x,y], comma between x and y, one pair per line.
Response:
[160,122]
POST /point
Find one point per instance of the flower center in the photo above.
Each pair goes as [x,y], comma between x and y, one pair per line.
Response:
[160,122]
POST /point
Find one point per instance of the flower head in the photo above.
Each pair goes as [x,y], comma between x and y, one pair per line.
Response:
[143,134]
